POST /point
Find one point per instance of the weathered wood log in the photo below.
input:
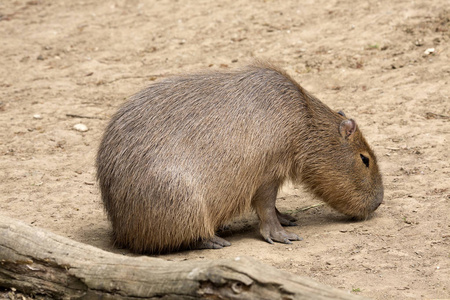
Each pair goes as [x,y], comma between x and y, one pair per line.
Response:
[35,261]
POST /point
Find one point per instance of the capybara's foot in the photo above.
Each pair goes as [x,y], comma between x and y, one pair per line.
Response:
[213,243]
[285,219]
[272,233]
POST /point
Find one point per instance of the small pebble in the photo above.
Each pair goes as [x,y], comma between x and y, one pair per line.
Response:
[37,116]
[80,127]
[419,42]
[429,51]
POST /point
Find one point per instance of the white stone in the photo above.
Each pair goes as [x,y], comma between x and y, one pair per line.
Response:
[429,51]
[80,127]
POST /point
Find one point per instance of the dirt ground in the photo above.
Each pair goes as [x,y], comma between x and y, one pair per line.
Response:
[385,63]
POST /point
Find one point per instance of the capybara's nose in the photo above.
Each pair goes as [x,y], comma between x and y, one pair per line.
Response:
[378,200]
[376,205]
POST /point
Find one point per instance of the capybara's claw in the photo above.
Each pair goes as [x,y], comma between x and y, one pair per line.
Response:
[213,243]
[220,241]
[207,244]
[269,240]
[291,237]
[278,235]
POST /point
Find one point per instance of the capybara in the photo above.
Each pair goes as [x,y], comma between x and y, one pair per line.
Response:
[188,153]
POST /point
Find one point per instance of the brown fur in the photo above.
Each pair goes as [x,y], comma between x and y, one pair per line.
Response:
[188,153]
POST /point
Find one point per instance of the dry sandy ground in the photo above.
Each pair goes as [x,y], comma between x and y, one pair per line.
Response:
[65,58]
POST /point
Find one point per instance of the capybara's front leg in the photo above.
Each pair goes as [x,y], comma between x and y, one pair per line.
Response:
[264,203]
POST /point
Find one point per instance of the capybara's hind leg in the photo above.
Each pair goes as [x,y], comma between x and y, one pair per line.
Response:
[264,203]
[213,243]
[285,219]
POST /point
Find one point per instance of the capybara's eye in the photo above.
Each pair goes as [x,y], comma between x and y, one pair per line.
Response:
[365,160]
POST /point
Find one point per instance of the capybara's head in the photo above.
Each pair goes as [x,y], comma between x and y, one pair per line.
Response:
[344,171]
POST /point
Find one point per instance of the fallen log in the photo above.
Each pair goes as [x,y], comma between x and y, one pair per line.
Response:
[38,262]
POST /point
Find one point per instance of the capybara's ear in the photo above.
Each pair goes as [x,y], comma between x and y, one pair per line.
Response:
[347,128]
[341,113]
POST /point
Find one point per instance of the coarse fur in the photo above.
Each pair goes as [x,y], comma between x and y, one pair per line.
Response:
[188,153]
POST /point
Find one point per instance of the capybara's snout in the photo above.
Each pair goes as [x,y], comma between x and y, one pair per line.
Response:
[378,200]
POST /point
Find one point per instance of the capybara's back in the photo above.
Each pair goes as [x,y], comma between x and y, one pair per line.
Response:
[188,153]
